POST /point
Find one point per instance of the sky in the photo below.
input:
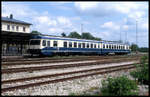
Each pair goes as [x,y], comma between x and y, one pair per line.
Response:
[105,20]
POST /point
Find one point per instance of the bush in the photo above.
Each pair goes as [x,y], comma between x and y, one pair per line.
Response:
[142,71]
[120,86]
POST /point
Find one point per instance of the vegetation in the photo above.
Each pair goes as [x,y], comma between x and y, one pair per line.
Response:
[74,35]
[142,71]
[143,49]
[63,34]
[85,35]
[135,47]
[35,32]
[119,86]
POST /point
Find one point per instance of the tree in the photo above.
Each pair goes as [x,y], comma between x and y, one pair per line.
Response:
[144,49]
[134,47]
[98,39]
[74,35]
[63,34]
[35,32]
[87,35]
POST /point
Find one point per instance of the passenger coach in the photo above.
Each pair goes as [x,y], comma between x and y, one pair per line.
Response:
[50,45]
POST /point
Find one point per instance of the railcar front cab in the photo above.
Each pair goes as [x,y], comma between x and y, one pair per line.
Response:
[35,46]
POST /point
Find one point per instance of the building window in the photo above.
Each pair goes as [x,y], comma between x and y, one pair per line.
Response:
[17,28]
[65,44]
[8,27]
[55,44]
[24,29]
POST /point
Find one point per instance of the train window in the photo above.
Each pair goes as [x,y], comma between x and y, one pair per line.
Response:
[44,43]
[91,45]
[83,44]
[94,45]
[65,44]
[109,46]
[75,44]
[106,45]
[103,45]
[55,44]
[79,45]
[98,45]
[35,42]
[48,43]
[70,44]
[112,46]
[87,45]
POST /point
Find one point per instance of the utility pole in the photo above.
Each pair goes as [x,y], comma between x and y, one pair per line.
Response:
[81,28]
[136,36]
[126,37]
[120,33]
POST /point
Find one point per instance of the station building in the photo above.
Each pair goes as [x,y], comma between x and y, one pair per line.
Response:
[15,35]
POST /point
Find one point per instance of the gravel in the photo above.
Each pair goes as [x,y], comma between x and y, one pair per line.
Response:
[53,71]
[76,86]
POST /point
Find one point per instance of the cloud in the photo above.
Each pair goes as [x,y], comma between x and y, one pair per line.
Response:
[64,21]
[125,27]
[110,25]
[83,6]
[18,10]
[100,9]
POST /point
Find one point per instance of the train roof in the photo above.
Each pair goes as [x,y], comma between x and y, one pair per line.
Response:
[73,39]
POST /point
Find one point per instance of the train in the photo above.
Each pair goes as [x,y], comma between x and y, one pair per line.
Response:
[52,45]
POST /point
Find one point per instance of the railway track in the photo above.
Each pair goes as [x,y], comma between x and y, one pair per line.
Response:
[36,68]
[39,61]
[88,72]
[61,58]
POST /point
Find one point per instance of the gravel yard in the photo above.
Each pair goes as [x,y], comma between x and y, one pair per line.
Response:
[67,87]
[53,71]
[77,86]
[47,64]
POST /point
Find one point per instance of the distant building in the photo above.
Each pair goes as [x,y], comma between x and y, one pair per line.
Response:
[12,25]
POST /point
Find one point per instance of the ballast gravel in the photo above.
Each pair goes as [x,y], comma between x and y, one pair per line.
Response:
[77,86]
[61,70]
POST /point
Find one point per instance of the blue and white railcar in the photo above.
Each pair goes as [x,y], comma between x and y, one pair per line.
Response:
[113,47]
[49,45]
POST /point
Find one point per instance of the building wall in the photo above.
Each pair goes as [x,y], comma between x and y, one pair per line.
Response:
[4,27]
